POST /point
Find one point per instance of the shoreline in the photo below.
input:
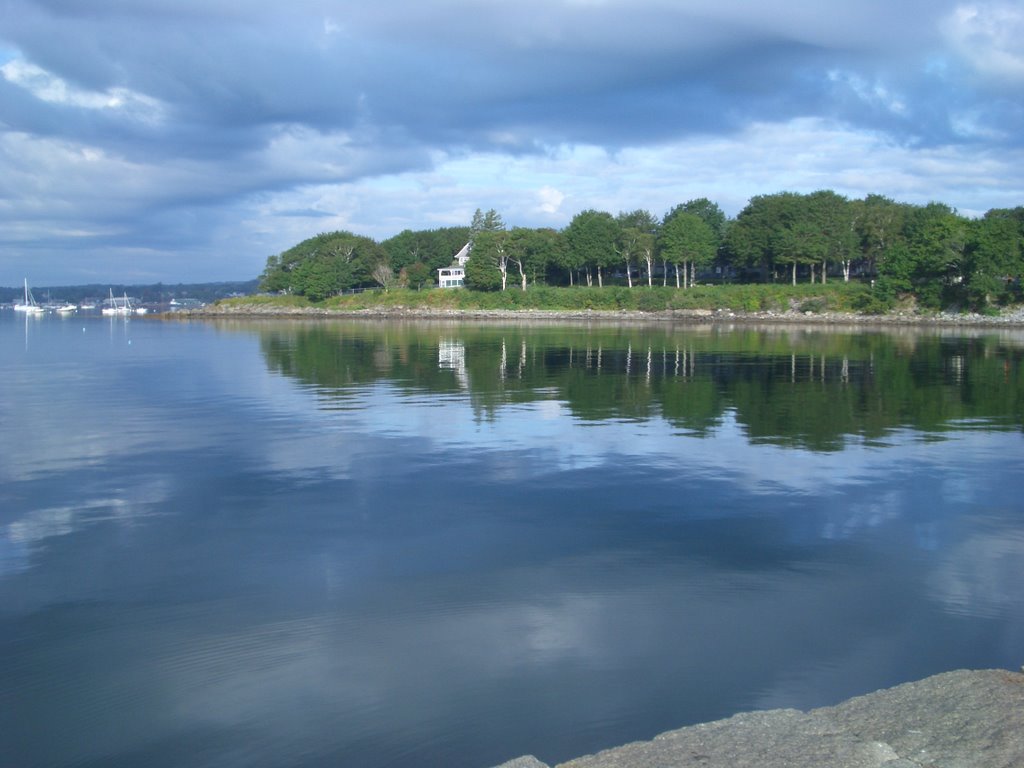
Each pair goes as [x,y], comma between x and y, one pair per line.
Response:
[961,718]
[1009,319]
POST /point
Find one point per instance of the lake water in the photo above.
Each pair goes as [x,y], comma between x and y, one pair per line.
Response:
[407,544]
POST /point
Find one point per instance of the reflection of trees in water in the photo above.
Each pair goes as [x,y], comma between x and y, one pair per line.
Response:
[802,387]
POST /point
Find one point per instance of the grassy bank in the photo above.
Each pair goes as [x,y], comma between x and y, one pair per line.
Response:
[833,297]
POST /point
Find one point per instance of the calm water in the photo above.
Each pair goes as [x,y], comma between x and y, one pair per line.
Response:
[370,544]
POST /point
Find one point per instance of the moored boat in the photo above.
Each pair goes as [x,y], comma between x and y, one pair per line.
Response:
[28,305]
[117,306]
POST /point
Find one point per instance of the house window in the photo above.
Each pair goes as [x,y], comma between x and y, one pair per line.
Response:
[451,277]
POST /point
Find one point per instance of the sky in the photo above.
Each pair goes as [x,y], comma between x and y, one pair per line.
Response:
[188,140]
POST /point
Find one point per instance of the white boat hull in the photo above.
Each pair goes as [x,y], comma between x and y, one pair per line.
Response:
[29,305]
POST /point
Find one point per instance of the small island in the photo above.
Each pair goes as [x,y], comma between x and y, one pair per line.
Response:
[785,254]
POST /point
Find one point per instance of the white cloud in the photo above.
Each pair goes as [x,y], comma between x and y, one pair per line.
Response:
[875,94]
[972,125]
[332,27]
[550,200]
[988,36]
[49,88]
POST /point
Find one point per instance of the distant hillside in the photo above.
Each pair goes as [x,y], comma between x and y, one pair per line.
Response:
[154,294]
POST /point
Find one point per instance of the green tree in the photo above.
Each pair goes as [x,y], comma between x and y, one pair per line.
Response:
[628,247]
[485,222]
[799,241]
[487,268]
[778,229]
[687,242]
[750,239]
[419,275]
[274,278]
[320,277]
[936,238]
[994,259]
[324,265]
[637,233]
[548,248]
[568,259]
[714,217]
[591,237]
[432,247]
[531,250]
[833,215]
[709,212]
[878,227]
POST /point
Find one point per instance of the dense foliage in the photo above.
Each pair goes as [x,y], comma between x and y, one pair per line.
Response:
[324,265]
[422,253]
[928,254]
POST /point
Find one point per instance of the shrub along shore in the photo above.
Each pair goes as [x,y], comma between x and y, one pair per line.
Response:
[836,303]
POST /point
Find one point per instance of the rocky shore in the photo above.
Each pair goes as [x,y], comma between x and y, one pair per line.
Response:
[961,719]
[1009,318]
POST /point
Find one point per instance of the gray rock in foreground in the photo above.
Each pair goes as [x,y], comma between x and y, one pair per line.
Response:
[962,719]
[524,762]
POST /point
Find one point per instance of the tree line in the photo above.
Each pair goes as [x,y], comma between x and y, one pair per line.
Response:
[928,251]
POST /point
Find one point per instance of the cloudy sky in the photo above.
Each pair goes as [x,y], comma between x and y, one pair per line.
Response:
[187,140]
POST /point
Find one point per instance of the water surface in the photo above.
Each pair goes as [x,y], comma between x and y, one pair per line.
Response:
[399,544]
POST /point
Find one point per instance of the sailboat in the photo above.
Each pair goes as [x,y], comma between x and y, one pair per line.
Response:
[29,305]
[117,306]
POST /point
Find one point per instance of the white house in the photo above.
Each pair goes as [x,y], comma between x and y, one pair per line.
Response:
[455,275]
